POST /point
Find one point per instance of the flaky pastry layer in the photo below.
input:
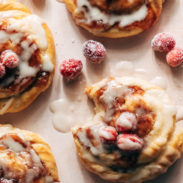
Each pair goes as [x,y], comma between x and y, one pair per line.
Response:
[163,144]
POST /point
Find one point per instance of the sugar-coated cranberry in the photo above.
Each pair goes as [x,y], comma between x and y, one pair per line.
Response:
[129,142]
[9,59]
[163,42]
[126,122]
[175,57]
[108,134]
[94,51]
[2,70]
[71,68]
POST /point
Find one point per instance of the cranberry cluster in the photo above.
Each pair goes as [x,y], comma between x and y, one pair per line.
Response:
[94,52]
[123,133]
[165,42]
[8,59]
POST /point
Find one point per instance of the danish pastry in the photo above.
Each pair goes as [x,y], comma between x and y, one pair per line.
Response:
[25,157]
[115,19]
[133,136]
[27,56]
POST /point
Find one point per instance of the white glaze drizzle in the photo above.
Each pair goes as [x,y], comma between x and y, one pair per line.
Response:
[159,81]
[156,95]
[24,154]
[94,131]
[112,92]
[95,14]
[62,115]
[179,115]
[127,120]
[123,67]
[12,145]
[66,114]
[105,134]
[30,27]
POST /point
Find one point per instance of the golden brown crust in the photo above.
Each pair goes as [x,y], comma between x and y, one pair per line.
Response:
[154,11]
[7,5]
[40,147]
[19,102]
[150,171]
[163,144]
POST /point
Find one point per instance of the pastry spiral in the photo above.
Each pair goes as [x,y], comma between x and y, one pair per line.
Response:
[25,157]
[115,19]
[27,36]
[133,136]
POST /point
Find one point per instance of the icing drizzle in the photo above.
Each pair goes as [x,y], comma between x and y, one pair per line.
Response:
[27,36]
[15,150]
[95,14]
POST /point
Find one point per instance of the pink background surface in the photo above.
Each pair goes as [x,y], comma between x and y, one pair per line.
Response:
[68,40]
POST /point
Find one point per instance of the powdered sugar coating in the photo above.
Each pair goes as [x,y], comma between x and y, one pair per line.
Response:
[71,68]
[9,59]
[94,51]
[2,70]
[163,42]
[129,142]
[175,57]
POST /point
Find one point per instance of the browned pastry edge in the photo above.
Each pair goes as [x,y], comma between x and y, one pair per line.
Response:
[41,148]
[23,100]
[154,11]
[171,153]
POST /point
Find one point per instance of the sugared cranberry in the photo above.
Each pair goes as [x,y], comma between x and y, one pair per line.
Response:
[163,42]
[94,51]
[175,57]
[126,122]
[9,59]
[2,70]
[108,134]
[71,68]
[129,142]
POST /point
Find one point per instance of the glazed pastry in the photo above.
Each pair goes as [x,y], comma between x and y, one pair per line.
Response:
[133,136]
[25,157]
[115,19]
[27,56]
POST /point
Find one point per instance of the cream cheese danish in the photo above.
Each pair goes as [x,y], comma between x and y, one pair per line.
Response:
[25,157]
[27,54]
[133,136]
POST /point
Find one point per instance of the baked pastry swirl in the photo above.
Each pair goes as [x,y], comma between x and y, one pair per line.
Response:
[26,39]
[25,157]
[133,136]
[115,18]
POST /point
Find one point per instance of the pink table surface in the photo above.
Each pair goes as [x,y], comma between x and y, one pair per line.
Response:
[68,39]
